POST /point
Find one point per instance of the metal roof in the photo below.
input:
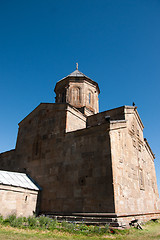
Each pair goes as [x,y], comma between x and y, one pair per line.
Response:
[76,73]
[17,179]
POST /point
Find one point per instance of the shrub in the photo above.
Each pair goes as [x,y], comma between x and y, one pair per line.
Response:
[96,229]
[1,219]
[47,223]
[69,226]
[64,224]
[83,227]
[43,221]
[15,222]
[32,222]
[52,224]
[10,219]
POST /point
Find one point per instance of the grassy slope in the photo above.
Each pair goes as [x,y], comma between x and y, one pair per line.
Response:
[150,231]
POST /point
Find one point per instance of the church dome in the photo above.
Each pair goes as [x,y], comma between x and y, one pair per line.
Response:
[79,91]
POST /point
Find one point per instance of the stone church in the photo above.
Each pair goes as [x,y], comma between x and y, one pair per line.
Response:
[87,163]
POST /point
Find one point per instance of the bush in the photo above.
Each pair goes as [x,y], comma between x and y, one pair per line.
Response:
[43,221]
[1,219]
[15,222]
[47,223]
[10,220]
[96,229]
[83,227]
[52,224]
[70,226]
[32,222]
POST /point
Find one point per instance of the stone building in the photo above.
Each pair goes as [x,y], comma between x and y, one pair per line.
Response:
[18,194]
[87,163]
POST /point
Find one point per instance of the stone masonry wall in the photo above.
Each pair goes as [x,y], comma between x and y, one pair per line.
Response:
[75,120]
[99,118]
[76,175]
[16,200]
[134,176]
[7,160]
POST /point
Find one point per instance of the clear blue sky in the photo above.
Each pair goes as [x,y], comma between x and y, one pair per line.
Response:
[115,42]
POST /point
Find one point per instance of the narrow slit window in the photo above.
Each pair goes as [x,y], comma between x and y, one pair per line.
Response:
[89,98]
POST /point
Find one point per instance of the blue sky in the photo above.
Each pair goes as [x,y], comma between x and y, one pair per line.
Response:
[115,42]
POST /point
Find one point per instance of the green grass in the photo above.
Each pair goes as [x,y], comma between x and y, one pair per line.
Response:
[45,228]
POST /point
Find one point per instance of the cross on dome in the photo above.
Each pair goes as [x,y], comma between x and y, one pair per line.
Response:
[76,66]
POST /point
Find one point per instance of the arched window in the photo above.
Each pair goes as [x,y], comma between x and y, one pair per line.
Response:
[76,95]
[90,97]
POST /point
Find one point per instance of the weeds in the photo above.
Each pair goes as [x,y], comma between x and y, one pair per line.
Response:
[82,228]
[32,222]
[50,224]
[47,223]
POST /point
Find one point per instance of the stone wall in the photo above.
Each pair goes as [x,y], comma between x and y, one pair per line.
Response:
[7,160]
[88,163]
[18,201]
[45,123]
[83,94]
[76,174]
[75,120]
[134,178]
[100,118]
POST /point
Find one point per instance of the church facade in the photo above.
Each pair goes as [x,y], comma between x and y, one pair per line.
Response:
[86,162]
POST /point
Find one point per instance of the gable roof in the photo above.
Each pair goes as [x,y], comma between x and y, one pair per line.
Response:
[17,180]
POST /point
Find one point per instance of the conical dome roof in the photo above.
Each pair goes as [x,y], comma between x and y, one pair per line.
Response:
[76,74]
